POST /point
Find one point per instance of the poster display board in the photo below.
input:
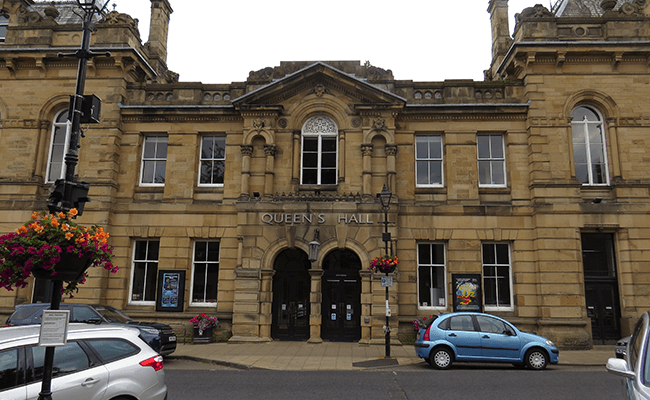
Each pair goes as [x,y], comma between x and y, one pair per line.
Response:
[171,290]
[467,292]
[54,328]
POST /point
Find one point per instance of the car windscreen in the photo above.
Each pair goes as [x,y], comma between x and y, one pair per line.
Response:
[113,315]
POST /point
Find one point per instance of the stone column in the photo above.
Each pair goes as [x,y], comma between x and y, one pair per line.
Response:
[246,153]
[612,137]
[391,172]
[270,150]
[315,306]
[341,156]
[366,152]
[266,304]
[295,176]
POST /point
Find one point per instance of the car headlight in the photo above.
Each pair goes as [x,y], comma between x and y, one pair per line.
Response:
[550,343]
[151,331]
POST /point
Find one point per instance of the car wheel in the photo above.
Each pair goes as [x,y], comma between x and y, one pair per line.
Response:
[536,359]
[440,358]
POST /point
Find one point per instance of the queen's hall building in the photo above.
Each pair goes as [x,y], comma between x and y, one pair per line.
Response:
[531,186]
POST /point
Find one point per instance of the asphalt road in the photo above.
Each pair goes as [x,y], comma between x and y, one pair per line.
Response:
[188,380]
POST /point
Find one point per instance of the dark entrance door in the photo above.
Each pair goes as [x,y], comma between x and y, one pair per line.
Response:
[601,287]
[341,297]
[291,284]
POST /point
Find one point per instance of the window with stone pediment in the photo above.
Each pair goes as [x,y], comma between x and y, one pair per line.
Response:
[589,146]
[59,141]
[319,151]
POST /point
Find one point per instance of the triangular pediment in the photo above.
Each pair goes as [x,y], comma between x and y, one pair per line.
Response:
[321,79]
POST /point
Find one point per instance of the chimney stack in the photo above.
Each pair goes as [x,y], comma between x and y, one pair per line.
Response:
[501,40]
[158,33]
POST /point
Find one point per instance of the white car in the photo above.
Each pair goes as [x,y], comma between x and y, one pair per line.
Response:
[634,367]
[98,362]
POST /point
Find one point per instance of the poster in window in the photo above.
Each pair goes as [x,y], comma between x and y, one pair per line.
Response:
[467,292]
[171,290]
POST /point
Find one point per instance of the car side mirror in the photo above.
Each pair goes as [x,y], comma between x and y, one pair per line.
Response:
[618,366]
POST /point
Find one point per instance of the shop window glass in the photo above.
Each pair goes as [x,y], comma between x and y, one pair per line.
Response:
[431,275]
[145,271]
[205,275]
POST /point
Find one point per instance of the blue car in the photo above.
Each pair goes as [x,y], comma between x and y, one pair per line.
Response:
[477,337]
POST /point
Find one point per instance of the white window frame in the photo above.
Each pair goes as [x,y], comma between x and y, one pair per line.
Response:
[194,262]
[212,160]
[56,124]
[319,127]
[4,22]
[429,159]
[153,139]
[146,261]
[492,160]
[582,128]
[497,307]
[433,266]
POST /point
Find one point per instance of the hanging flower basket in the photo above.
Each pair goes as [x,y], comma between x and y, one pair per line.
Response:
[53,247]
[384,264]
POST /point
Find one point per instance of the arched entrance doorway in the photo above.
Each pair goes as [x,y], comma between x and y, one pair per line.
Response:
[341,296]
[291,284]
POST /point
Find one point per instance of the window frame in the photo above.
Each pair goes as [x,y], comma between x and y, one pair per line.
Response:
[157,139]
[146,261]
[212,159]
[585,124]
[319,133]
[194,262]
[497,307]
[56,124]
[432,266]
[4,25]
[430,160]
[491,160]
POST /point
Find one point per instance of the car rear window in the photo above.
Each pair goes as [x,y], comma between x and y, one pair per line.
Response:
[23,312]
[112,349]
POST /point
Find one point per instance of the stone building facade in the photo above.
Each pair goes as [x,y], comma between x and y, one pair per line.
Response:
[533,182]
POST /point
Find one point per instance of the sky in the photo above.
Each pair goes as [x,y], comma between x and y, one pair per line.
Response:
[213,41]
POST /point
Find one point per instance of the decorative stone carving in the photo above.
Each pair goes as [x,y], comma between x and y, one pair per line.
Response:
[391,149]
[282,123]
[258,123]
[51,12]
[319,90]
[608,5]
[366,150]
[270,150]
[246,150]
[356,122]
[635,7]
[320,124]
[379,124]
[537,11]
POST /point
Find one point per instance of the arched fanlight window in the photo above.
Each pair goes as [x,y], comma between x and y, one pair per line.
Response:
[589,146]
[319,151]
[59,139]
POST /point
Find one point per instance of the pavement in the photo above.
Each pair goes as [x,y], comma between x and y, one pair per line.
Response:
[335,356]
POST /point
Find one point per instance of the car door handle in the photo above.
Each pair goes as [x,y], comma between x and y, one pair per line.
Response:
[90,382]
[485,337]
[452,334]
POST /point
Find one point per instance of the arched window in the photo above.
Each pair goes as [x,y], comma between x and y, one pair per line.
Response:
[59,140]
[319,151]
[589,149]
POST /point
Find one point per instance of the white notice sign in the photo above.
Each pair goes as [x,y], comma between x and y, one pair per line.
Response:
[54,328]
[386,281]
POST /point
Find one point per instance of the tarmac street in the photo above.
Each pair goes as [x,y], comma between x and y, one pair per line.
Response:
[335,356]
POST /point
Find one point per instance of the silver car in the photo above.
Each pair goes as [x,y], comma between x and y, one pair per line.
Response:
[635,366]
[98,362]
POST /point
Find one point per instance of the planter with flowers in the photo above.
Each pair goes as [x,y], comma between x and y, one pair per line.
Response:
[384,264]
[53,246]
[203,325]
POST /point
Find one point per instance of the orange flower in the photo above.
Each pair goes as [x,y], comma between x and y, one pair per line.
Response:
[34,215]
[65,227]
[55,223]
[69,235]
[22,229]
[73,212]
[61,215]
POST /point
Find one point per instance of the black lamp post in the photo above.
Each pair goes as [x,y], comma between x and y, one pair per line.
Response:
[66,193]
[384,197]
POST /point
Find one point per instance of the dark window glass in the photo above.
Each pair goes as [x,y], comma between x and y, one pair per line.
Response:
[67,359]
[461,323]
[113,349]
[598,256]
[8,369]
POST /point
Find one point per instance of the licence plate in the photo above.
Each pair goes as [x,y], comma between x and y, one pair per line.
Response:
[172,338]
